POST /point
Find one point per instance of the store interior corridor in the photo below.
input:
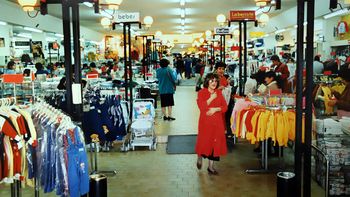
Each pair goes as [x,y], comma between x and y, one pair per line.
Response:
[155,173]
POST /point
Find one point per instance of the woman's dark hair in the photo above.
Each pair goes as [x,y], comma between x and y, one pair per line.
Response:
[209,77]
[164,63]
[26,72]
[317,58]
[62,85]
[92,65]
[344,72]
[10,64]
[275,58]
[220,64]
[39,66]
[276,78]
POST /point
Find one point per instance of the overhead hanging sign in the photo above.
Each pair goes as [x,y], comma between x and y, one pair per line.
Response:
[128,17]
[222,30]
[242,15]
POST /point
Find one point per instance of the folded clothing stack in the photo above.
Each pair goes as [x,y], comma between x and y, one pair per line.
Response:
[337,149]
[328,126]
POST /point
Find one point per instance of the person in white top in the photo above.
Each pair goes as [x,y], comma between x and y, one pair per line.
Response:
[317,65]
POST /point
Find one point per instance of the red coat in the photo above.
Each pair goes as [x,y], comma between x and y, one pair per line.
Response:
[211,129]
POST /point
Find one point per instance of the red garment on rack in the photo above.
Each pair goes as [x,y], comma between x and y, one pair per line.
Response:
[211,129]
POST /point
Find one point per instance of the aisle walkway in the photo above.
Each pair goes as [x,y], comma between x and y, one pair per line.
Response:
[154,173]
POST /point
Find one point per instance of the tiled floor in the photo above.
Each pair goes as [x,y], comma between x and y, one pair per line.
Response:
[155,173]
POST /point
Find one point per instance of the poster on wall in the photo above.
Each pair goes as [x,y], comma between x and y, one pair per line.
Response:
[2,42]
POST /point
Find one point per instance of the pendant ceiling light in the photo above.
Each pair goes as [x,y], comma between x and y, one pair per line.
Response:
[264,18]
[262,3]
[158,34]
[113,4]
[105,22]
[221,19]
[208,33]
[27,5]
[148,21]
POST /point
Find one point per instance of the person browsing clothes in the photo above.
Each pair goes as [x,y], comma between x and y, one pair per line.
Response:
[211,140]
[166,78]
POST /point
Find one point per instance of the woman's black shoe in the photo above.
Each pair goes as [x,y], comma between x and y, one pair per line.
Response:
[199,165]
[165,118]
[212,172]
[171,118]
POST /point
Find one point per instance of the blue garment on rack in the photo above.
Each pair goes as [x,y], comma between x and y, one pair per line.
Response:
[92,124]
[77,165]
[116,113]
[107,120]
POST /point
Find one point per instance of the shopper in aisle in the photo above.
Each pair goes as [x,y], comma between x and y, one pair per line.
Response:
[317,66]
[93,69]
[343,100]
[166,78]
[198,74]
[11,68]
[188,67]
[211,140]
[40,69]
[220,71]
[282,71]
[270,83]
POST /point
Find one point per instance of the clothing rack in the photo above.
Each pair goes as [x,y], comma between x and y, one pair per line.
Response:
[16,186]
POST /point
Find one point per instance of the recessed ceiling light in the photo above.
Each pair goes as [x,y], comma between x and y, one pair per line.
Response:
[182,2]
[183,13]
[3,23]
[182,21]
[33,29]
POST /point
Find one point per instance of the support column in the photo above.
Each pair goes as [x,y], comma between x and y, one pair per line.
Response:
[245,55]
[67,55]
[130,67]
[240,61]
[309,88]
[298,155]
[77,54]
[125,65]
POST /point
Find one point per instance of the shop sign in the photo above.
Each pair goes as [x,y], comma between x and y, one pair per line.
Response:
[222,30]
[242,15]
[128,17]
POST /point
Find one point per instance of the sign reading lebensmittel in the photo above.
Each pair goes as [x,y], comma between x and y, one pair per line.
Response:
[242,15]
[222,30]
[128,17]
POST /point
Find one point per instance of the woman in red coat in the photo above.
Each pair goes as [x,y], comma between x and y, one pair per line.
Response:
[211,140]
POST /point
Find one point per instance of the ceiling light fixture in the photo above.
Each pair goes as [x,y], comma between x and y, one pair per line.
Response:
[208,33]
[88,4]
[27,5]
[182,21]
[182,28]
[201,40]
[182,32]
[221,19]
[59,35]
[264,18]
[24,35]
[280,31]
[182,2]
[3,23]
[159,34]
[183,13]
[33,30]
[148,21]
[113,4]
[262,3]
[337,13]
[105,22]
[236,32]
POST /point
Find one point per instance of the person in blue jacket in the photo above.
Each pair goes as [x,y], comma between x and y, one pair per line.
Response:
[166,78]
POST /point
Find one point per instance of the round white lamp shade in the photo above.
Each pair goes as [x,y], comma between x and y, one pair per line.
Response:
[148,21]
[27,5]
[236,32]
[105,22]
[208,33]
[264,18]
[221,19]
[159,34]
[201,40]
[113,4]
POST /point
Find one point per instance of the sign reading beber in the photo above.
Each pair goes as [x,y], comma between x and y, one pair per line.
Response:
[128,17]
